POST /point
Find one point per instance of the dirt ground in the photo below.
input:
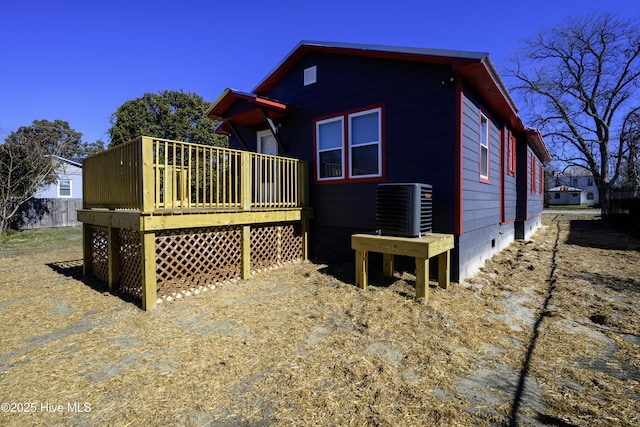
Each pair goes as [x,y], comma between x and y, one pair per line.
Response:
[547,333]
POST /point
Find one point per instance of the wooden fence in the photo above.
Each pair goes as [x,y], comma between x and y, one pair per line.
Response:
[625,202]
[44,213]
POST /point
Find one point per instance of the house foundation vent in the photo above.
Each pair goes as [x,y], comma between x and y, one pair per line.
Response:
[404,209]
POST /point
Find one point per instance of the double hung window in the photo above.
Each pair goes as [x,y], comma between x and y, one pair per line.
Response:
[349,146]
[510,145]
[484,148]
[64,188]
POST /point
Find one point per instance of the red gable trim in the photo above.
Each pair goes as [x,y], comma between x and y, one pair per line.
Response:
[432,56]
[219,110]
[537,144]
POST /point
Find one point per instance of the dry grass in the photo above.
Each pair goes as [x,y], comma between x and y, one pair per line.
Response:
[547,332]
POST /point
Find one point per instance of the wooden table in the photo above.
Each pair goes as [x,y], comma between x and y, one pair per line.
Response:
[421,248]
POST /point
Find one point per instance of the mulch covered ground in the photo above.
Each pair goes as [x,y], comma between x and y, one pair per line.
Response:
[546,334]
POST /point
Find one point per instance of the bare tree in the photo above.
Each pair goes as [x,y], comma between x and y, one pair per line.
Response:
[580,80]
[28,160]
[631,137]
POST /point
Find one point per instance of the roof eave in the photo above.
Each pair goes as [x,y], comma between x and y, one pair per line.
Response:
[380,51]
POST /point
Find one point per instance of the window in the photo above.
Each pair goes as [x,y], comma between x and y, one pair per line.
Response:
[590,196]
[330,143]
[511,168]
[589,182]
[365,143]
[557,196]
[484,149]
[541,179]
[533,174]
[64,188]
[349,146]
[510,151]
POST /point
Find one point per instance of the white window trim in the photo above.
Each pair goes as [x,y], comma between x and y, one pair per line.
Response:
[378,143]
[486,135]
[341,148]
[70,189]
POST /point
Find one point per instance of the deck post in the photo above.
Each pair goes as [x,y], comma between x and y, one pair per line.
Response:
[113,258]
[87,257]
[146,172]
[304,230]
[387,265]
[149,286]
[245,180]
[444,264]
[245,259]
[422,278]
[362,268]
[303,186]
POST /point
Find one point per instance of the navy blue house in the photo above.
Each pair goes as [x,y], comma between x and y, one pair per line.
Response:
[364,115]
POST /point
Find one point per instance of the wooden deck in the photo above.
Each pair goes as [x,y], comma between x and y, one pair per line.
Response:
[163,219]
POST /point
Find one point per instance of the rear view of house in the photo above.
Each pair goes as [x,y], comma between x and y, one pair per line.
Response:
[365,115]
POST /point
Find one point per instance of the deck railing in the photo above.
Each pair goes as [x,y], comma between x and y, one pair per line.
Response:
[156,175]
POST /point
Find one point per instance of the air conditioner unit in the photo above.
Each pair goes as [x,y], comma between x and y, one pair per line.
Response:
[404,209]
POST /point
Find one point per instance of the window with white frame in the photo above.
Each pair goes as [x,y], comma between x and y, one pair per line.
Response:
[510,147]
[533,174]
[64,188]
[365,144]
[330,148]
[349,146]
[484,148]
[541,189]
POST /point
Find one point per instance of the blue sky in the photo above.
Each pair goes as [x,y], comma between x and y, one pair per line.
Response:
[79,61]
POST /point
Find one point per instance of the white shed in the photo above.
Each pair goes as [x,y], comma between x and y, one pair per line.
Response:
[565,195]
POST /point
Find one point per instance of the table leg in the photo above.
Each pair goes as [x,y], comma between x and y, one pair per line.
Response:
[387,265]
[444,263]
[362,268]
[422,278]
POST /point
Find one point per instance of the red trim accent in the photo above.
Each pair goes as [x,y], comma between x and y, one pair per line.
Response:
[251,116]
[345,147]
[458,205]
[264,101]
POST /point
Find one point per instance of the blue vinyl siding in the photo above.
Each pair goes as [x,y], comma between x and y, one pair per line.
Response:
[419,134]
[483,232]
[481,200]
[419,145]
[535,199]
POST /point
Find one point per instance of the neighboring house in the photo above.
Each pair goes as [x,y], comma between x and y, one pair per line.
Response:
[564,195]
[364,115]
[575,177]
[55,205]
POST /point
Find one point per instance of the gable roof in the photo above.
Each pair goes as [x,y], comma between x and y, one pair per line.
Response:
[566,188]
[475,68]
[252,109]
[68,161]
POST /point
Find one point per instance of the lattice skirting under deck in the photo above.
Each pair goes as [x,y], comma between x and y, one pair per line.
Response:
[99,252]
[190,261]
